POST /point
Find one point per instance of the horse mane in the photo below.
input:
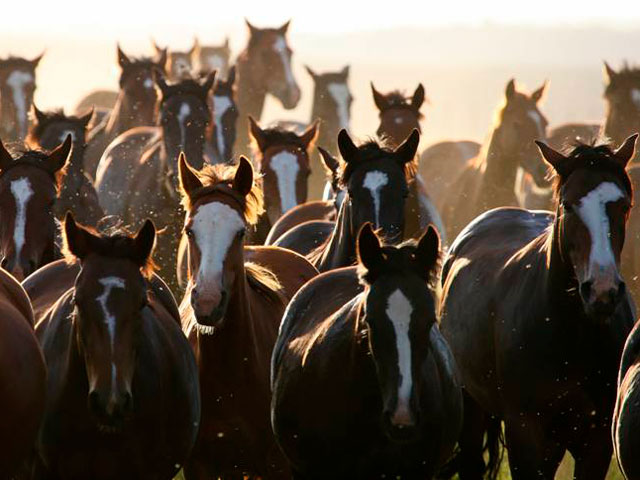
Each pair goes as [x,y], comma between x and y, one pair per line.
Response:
[116,242]
[373,150]
[399,99]
[53,116]
[12,61]
[219,178]
[34,158]
[630,72]
[280,136]
[264,281]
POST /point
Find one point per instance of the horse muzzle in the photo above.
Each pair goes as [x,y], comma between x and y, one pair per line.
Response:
[210,310]
[401,428]
[111,411]
[602,299]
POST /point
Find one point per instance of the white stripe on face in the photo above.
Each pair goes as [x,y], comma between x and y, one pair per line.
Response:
[185,111]
[65,133]
[109,283]
[635,97]
[593,213]
[535,116]
[399,311]
[214,225]
[17,81]
[374,181]
[220,106]
[340,94]
[215,62]
[22,192]
[285,165]
[280,47]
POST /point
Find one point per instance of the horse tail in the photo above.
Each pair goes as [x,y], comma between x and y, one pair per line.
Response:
[494,447]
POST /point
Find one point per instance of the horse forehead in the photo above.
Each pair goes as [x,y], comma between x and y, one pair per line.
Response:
[19,78]
[399,308]
[221,103]
[338,90]
[284,161]
[373,180]
[602,194]
[217,216]
[280,44]
[21,190]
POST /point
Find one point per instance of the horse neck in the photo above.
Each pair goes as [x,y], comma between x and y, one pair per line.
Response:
[250,101]
[324,110]
[499,178]
[8,117]
[340,249]
[620,124]
[126,114]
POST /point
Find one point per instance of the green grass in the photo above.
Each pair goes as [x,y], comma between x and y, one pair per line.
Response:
[565,471]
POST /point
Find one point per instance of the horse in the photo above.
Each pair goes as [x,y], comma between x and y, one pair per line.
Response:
[233,304]
[132,184]
[264,67]
[123,388]
[364,385]
[488,180]
[332,101]
[537,314]
[209,58]
[622,96]
[23,375]
[225,118]
[77,194]
[179,64]
[29,185]
[135,106]
[17,86]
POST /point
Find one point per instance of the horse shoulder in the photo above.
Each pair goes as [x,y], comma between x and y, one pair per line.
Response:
[15,294]
[45,286]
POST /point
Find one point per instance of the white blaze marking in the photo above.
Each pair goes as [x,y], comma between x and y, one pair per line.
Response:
[399,311]
[215,62]
[592,212]
[148,83]
[65,133]
[109,283]
[22,192]
[280,46]
[340,94]
[535,116]
[17,80]
[220,106]
[285,165]
[635,96]
[374,181]
[214,225]
[185,111]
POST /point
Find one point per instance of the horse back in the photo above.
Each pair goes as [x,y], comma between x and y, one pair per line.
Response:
[315,210]
[305,238]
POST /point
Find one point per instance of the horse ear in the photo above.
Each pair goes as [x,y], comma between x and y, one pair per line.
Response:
[77,239]
[310,72]
[5,157]
[208,83]
[160,81]
[368,249]
[330,162]
[162,59]
[427,252]
[627,150]
[243,181]
[36,60]
[257,134]
[379,99]
[554,158]
[194,48]
[347,148]
[418,98]
[189,180]
[59,156]
[609,72]
[144,241]
[510,91]
[252,30]
[539,93]
[226,42]
[86,118]
[123,60]
[407,150]
[284,28]
[345,72]
[231,76]
[39,115]
[310,134]
[156,48]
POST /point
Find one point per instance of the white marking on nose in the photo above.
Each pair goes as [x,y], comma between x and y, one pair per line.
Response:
[221,104]
[17,81]
[340,94]
[215,62]
[185,111]
[280,47]
[535,116]
[593,213]
[22,192]
[635,97]
[285,165]
[399,310]
[374,181]
[109,283]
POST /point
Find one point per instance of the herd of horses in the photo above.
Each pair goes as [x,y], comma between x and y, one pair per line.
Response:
[348,309]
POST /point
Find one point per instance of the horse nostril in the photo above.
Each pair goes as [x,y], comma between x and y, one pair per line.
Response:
[585,290]
[127,403]
[95,405]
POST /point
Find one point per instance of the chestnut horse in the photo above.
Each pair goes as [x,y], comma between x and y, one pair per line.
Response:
[136,104]
[536,314]
[17,85]
[225,118]
[489,180]
[123,384]
[29,186]
[364,385]
[22,378]
[77,194]
[209,58]
[264,67]
[231,312]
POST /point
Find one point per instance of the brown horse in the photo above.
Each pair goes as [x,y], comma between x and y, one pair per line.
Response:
[399,114]
[179,64]
[136,104]
[29,186]
[17,85]
[77,194]
[123,384]
[225,118]
[264,67]
[536,314]
[622,96]
[231,312]
[488,181]
[22,378]
[364,385]
[209,58]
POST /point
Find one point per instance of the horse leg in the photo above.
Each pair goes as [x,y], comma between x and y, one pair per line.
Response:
[474,423]
[592,455]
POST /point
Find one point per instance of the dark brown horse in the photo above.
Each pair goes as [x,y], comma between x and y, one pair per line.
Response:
[209,58]
[136,104]
[123,384]
[399,114]
[29,186]
[17,85]
[264,67]
[622,96]
[22,378]
[364,385]
[536,314]
[225,118]
[231,312]
[77,194]
[489,180]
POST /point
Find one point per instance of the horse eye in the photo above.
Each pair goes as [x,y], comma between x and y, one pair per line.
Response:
[241,234]
[189,232]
